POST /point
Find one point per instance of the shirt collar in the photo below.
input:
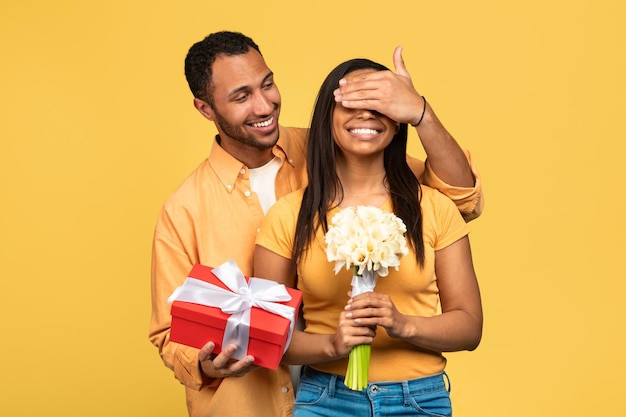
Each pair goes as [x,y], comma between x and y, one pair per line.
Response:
[228,169]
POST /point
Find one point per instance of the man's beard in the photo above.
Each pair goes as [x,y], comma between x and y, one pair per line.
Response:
[237,133]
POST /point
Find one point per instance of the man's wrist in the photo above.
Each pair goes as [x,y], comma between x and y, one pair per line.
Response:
[416,124]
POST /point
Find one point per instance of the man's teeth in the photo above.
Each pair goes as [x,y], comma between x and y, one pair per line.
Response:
[263,124]
[364,131]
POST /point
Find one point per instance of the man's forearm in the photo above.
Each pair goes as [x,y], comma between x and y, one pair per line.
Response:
[445,156]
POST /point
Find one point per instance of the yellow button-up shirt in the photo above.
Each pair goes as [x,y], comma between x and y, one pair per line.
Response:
[212,217]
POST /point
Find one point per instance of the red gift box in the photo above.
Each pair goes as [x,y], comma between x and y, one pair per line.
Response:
[196,324]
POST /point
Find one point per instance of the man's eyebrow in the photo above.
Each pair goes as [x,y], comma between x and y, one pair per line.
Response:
[247,87]
[268,76]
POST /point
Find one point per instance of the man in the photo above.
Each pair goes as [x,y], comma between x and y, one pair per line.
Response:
[215,214]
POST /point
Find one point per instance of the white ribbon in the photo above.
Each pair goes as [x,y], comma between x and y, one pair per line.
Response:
[256,292]
[364,282]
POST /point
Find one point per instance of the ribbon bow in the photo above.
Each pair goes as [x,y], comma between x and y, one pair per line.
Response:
[243,296]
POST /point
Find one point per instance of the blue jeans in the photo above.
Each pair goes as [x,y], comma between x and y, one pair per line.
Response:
[323,394]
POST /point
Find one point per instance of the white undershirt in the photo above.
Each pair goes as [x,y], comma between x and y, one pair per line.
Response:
[262,181]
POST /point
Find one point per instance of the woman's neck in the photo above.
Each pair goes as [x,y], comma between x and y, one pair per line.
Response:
[363,184]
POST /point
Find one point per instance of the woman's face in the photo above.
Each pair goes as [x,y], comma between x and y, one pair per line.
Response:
[362,132]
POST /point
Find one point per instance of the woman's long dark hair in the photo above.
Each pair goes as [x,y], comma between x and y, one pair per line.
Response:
[324,186]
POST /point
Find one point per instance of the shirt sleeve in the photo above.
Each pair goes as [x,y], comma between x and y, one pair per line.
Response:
[448,223]
[171,263]
[278,227]
[469,200]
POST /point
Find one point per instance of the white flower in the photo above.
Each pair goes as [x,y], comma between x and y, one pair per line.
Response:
[367,238]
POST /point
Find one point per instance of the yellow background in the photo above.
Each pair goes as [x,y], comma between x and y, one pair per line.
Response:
[97,129]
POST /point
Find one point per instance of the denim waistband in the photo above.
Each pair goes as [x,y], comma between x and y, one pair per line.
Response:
[417,386]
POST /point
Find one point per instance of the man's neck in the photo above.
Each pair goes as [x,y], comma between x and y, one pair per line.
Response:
[250,156]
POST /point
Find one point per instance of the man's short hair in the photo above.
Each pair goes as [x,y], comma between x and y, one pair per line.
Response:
[202,55]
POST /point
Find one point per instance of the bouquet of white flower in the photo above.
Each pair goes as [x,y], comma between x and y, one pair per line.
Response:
[370,241]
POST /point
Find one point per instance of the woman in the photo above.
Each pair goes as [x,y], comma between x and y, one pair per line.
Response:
[358,157]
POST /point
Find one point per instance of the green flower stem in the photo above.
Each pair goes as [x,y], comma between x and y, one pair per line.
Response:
[358,363]
[358,367]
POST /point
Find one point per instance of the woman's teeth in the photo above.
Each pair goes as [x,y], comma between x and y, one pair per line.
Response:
[363,131]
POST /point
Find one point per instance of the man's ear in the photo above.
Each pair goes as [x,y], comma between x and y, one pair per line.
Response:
[204,108]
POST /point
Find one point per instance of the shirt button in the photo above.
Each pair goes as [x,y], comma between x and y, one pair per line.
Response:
[243,171]
[247,193]
[230,187]
[285,389]
[258,230]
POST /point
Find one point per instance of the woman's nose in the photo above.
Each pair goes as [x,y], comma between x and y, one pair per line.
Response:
[365,114]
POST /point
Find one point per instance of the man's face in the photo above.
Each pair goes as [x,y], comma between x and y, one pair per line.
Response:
[246,102]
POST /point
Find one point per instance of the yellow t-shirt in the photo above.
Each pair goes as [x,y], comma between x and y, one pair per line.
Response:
[413,289]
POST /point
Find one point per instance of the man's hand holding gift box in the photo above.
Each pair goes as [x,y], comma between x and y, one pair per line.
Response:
[223,306]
